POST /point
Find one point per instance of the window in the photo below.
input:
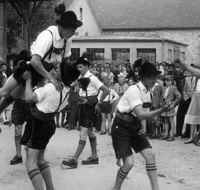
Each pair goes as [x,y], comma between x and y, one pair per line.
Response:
[75,55]
[169,56]
[96,54]
[183,58]
[121,54]
[147,54]
[176,53]
[81,13]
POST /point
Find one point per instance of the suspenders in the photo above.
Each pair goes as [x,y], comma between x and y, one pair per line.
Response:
[55,50]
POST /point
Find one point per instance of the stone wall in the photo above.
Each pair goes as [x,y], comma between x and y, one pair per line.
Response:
[190,37]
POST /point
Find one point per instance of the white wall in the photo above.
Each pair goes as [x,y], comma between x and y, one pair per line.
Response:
[90,25]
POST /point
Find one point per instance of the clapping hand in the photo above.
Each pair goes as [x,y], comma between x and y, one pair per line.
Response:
[166,106]
[27,76]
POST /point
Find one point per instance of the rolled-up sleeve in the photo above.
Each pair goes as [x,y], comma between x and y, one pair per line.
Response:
[42,44]
[134,97]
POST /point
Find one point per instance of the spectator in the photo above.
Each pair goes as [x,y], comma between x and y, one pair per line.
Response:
[173,96]
[106,108]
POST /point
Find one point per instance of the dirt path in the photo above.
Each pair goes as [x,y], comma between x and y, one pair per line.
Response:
[177,163]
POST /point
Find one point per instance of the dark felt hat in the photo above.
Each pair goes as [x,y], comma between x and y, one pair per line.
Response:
[148,69]
[23,55]
[68,73]
[82,60]
[69,19]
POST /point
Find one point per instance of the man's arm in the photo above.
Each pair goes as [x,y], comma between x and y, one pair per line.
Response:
[143,115]
[30,96]
[105,93]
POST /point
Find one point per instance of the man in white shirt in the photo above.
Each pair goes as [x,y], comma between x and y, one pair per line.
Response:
[40,127]
[51,45]
[127,132]
[89,88]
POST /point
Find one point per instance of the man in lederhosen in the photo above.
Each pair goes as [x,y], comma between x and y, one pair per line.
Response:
[127,132]
[45,102]
[90,85]
[51,46]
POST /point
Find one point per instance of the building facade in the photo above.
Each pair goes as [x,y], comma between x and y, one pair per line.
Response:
[107,22]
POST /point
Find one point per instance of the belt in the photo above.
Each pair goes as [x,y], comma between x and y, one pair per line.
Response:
[126,117]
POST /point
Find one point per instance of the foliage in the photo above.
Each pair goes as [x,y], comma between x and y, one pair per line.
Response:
[14,25]
[43,18]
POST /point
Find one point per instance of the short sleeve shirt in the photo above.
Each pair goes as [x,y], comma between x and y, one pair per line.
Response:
[93,86]
[133,97]
[44,41]
[49,98]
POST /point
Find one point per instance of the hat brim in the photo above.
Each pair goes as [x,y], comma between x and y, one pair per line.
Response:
[73,25]
[80,63]
[68,73]
[156,73]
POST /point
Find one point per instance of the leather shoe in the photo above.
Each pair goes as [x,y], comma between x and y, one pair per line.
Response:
[90,160]
[171,139]
[164,138]
[16,160]
[183,136]
[188,142]
[71,163]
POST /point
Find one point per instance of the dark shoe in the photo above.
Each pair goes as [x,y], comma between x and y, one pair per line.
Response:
[188,142]
[152,137]
[71,163]
[97,131]
[57,126]
[164,138]
[16,160]
[79,128]
[90,160]
[171,139]
[7,123]
[177,135]
[102,133]
[109,133]
[183,136]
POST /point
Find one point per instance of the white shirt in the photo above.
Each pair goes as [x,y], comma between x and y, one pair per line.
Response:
[111,96]
[44,41]
[134,97]
[93,86]
[166,91]
[49,98]
[197,90]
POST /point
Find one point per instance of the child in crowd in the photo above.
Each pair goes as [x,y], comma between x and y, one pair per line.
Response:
[106,108]
[170,94]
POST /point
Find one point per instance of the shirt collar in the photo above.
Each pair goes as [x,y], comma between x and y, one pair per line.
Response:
[57,35]
[142,87]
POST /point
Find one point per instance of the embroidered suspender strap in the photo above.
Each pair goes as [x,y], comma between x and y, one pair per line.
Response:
[64,47]
[86,88]
[146,104]
[51,48]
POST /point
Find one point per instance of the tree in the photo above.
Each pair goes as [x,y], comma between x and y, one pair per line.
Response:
[43,18]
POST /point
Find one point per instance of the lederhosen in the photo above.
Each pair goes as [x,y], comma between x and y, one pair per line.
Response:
[87,109]
[40,127]
[36,77]
[105,106]
[125,136]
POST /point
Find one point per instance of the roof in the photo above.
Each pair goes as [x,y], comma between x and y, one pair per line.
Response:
[123,39]
[146,14]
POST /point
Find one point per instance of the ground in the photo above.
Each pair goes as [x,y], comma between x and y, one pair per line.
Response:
[177,163]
